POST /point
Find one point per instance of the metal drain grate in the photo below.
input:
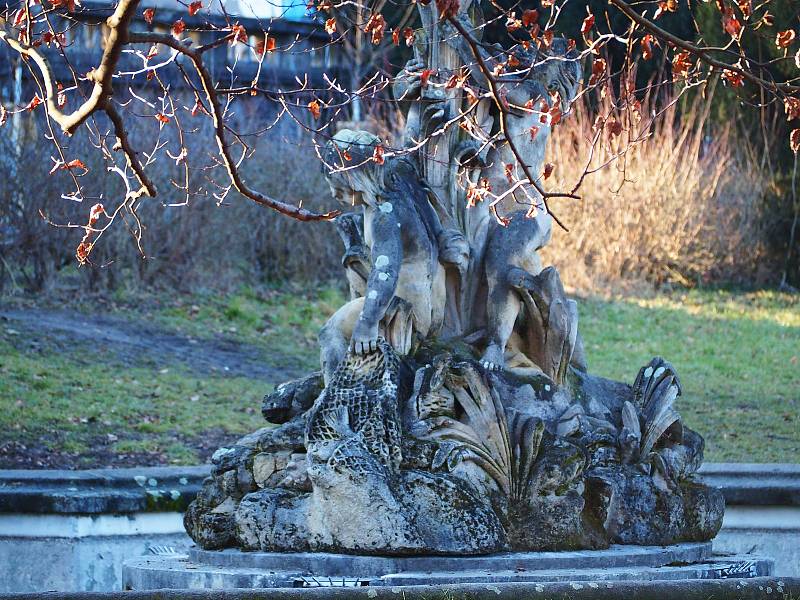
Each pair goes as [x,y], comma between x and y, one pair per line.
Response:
[745,569]
[307,582]
[162,550]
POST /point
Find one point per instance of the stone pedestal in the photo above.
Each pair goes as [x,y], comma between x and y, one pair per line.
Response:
[226,569]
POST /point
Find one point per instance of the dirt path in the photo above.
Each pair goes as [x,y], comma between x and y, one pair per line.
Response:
[137,342]
[133,339]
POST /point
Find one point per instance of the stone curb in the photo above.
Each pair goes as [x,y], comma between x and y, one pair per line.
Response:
[755,484]
[132,490]
[323,563]
[153,489]
[726,589]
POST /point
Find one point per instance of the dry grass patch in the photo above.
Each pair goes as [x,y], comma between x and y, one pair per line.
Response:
[679,203]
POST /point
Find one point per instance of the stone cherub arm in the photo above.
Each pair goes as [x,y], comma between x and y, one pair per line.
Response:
[406,89]
[408,83]
[355,260]
[425,107]
[453,247]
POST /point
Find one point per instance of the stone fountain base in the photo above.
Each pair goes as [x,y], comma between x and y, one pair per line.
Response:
[227,569]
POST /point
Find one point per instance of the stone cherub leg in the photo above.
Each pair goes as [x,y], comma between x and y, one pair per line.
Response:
[335,336]
[512,266]
[511,262]
[355,259]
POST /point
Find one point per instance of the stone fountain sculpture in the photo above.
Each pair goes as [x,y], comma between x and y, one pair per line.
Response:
[454,412]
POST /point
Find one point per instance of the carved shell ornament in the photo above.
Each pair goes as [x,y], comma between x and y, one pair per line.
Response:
[506,449]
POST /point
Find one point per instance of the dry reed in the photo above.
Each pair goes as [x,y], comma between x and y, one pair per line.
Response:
[679,203]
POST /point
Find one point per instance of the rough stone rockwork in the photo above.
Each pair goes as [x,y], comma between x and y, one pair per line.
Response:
[412,454]
[454,412]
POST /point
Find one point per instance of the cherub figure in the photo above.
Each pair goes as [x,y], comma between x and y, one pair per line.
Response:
[512,259]
[512,256]
[509,254]
[397,255]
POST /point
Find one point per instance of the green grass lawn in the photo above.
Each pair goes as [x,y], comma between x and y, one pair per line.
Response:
[76,404]
[738,356]
[69,402]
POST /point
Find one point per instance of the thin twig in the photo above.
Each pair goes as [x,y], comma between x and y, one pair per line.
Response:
[504,124]
[216,112]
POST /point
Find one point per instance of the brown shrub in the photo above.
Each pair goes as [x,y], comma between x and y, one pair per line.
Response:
[202,244]
[682,205]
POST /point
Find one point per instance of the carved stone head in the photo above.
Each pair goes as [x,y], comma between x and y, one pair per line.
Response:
[555,70]
[354,176]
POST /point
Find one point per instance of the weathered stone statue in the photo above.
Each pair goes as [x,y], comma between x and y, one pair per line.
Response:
[454,412]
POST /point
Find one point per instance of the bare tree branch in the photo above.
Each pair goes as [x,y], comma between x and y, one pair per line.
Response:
[130,154]
[503,109]
[102,93]
[700,52]
[296,212]
[102,76]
